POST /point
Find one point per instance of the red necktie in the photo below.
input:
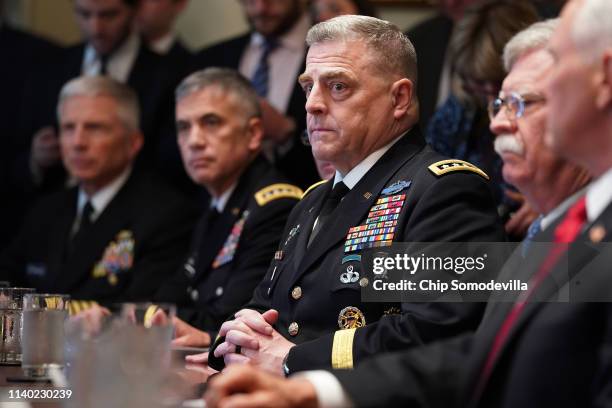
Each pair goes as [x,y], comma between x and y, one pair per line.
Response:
[566,232]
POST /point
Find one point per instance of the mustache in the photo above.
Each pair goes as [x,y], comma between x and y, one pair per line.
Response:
[508,144]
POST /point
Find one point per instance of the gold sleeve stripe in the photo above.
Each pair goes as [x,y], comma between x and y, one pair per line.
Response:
[148,316]
[447,166]
[315,185]
[77,306]
[276,191]
[342,350]
[73,308]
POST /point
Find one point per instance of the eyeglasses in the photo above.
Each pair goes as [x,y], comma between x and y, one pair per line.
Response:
[515,104]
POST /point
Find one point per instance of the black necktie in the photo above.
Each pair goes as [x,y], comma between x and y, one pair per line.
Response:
[330,204]
[262,72]
[84,227]
[103,64]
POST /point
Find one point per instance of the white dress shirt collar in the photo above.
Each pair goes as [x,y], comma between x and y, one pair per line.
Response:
[101,198]
[352,177]
[120,62]
[163,45]
[599,195]
[220,202]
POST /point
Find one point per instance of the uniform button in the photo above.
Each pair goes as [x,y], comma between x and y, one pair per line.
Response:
[219,291]
[363,282]
[296,293]
[294,329]
[194,295]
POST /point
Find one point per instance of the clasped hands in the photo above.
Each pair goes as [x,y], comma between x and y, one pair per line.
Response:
[251,339]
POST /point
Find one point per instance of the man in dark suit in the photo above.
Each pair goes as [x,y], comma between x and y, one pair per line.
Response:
[119,232]
[532,352]
[111,47]
[24,55]
[272,56]
[361,118]
[155,21]
[220,132]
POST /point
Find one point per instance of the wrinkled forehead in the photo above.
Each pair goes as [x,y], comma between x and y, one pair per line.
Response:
[529,72]
[339,57]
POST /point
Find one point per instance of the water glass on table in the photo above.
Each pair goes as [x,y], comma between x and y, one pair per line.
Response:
[11,307]
[43,333]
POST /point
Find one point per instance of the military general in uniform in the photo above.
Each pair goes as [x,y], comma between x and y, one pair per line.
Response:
[362,116]
[220,132]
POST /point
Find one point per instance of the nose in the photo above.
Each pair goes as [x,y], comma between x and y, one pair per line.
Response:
[79,138]
[500,124]
[196,138]
[315,102]
[95,25]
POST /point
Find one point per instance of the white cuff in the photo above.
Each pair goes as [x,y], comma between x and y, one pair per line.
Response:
[330,393]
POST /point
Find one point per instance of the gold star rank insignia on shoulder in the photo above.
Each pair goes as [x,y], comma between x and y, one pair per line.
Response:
[448,166]
[276,191]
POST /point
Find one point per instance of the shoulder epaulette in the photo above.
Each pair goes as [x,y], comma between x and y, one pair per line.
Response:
[315,185]
[276,191]
[448,166]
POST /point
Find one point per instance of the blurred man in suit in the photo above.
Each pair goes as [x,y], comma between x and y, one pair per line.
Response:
[118,233]
[111,47]
[155,22]
[24,55]
[272,55]
[525,353]
[220,132]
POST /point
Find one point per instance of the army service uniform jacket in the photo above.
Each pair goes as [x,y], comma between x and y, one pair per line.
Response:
[230,254]
[316,303]
[135,244]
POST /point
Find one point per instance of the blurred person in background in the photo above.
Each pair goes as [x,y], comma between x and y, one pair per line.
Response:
[460,127]
[271,55]
[322,10]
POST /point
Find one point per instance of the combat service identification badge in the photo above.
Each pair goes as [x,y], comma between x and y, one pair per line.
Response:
[351,318]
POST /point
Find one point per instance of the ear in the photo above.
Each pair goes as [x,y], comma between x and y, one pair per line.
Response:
[136,140]
[255,134]
[401,94]
[603,96]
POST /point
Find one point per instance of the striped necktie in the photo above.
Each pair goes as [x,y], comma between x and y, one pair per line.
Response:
[262,72]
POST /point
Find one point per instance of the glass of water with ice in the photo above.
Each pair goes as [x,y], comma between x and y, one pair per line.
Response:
[42,336]
[11,306]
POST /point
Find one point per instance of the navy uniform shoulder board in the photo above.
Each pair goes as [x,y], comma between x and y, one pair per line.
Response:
[443,167]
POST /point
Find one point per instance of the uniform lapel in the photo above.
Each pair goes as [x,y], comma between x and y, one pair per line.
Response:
[316,202]
[87,252]
[59,246]
[355,205]
[214,236]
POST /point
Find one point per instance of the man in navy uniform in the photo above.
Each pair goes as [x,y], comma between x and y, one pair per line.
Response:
[360,83]
[219,125]
[116,235]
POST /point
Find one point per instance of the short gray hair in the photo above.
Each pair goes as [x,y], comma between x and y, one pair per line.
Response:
[128,109]
[226,79]
[395,49]
[591,29]
[534,37]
